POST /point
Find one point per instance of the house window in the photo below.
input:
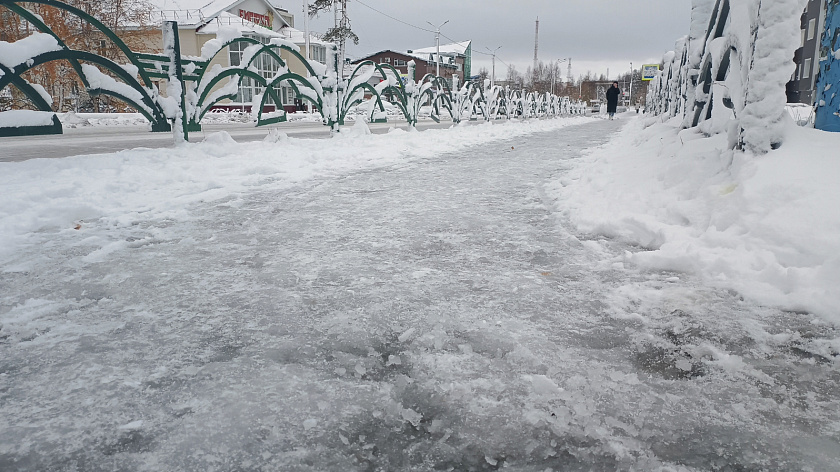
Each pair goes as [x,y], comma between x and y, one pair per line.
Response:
[265,65]
[399,63]
[385,60]
[806,69]
[801,38]
[318,53]
[812,29]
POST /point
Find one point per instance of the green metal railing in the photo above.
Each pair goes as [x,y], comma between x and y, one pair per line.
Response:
[194,87]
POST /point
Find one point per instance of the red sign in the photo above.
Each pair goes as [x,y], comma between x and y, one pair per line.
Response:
[262,20]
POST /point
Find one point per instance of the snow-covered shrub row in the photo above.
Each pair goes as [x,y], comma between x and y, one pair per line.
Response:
[729,74]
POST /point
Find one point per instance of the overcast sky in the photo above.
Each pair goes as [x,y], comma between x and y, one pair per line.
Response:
[596,34]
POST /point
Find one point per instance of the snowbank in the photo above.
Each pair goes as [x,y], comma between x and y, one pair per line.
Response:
[21,118]
[765,226]
[42,196]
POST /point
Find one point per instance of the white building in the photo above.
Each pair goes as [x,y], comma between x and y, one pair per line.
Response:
[199,21]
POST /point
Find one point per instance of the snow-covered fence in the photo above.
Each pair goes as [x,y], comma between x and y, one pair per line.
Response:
[729,74]
[205,81]
[194,87]
[127,82]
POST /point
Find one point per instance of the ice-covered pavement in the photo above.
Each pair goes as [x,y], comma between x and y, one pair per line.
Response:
[432,314]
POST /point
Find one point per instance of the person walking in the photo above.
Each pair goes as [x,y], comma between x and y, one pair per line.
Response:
[612,99]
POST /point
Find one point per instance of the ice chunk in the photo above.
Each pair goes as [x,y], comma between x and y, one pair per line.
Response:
[133,426]
[406,335]
[543,385]
[411,416]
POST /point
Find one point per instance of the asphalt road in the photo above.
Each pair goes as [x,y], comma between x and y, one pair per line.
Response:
[99,140]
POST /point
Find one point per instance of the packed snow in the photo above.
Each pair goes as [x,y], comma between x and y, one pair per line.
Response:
[568,294]
[20,118]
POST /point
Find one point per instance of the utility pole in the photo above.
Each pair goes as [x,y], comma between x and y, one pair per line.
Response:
[536,45]
[341,21]
[305,5]
[555,67]
[307,45]
[569,74]
[437,41]
[493,74]
[630,99]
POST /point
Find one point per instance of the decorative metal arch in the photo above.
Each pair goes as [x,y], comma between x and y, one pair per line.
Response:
[147,104]
[295,81]
[192,78]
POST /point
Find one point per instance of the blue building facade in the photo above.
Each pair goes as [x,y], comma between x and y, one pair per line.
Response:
[828,83]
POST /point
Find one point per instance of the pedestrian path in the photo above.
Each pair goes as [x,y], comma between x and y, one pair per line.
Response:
[435,315]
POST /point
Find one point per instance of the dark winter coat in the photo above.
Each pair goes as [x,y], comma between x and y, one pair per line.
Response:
[612,99]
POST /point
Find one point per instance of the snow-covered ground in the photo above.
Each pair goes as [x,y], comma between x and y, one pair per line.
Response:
[477,298]
[768,226]
[81,120]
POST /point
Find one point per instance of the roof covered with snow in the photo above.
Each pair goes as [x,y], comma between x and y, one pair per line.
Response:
[225,19]
[197,12]
[299,37]
[458,49]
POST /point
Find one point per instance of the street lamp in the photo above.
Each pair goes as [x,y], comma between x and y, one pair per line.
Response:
[437,41]
[554,73]
[630,99]
[493,76]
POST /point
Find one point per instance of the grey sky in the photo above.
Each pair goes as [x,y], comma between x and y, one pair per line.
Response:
[596,34]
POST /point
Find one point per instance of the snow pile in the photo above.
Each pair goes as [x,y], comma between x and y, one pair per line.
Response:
[80,120]
[47,195]
[765,226]
[21,118]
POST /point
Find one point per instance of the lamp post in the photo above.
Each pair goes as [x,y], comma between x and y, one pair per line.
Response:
[493,74]
[630,99]
[554,73]
[437,41]
[308,45]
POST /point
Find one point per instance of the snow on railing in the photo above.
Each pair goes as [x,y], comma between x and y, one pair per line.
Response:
[729,74]
[193,87]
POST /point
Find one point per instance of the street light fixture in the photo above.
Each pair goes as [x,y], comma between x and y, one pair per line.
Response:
[437,41]
[554,73]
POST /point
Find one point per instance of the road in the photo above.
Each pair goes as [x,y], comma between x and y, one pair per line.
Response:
[436,314]
[98,140]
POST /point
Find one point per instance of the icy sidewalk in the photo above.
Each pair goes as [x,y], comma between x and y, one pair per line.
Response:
[431,314]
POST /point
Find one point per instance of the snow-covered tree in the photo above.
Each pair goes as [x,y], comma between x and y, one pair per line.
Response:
[341,32]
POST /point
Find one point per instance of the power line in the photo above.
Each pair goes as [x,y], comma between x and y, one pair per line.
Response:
[393,18]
